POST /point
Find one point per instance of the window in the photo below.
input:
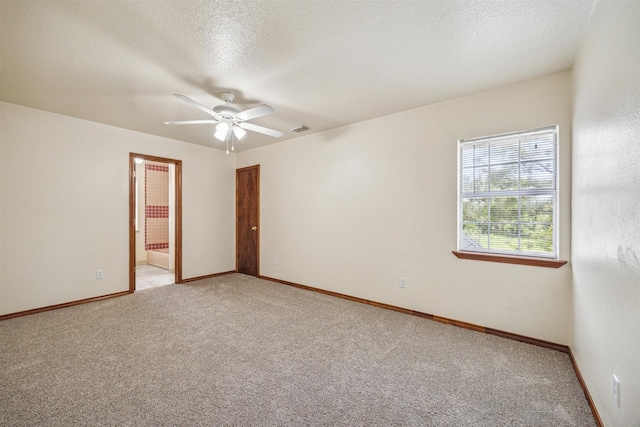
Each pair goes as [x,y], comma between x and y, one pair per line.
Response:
[508,194]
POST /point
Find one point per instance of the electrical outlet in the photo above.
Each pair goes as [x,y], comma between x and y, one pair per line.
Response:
[403,282]
[99,274]
[275,260]
[616,390]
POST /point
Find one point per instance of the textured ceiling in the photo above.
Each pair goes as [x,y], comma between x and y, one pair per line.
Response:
[324,64]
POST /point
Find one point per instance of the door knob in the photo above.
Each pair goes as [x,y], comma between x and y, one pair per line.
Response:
[254,228]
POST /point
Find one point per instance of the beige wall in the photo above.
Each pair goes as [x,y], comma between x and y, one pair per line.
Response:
[353,209]
[65,207]
[606,205]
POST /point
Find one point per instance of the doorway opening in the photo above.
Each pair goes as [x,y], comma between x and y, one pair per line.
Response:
[155,226]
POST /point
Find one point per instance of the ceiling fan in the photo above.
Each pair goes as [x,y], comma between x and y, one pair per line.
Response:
[230,121]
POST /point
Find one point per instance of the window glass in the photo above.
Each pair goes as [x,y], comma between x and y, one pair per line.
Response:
[508,197]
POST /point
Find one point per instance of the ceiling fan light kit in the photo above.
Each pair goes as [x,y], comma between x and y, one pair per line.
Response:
[230,121]
[221,131]
[239,132]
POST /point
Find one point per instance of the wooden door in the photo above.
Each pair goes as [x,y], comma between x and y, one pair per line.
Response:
[248,220]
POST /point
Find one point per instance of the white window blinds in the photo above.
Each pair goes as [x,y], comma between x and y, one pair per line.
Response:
[508,193]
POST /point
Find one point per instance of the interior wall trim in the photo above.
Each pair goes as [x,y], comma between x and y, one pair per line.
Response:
[460,324]
[585,390]
[478,328]
[207,276]
[534,341]
[98,298]
[63,305]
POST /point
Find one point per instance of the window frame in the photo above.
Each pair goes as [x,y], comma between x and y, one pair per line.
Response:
[550,259]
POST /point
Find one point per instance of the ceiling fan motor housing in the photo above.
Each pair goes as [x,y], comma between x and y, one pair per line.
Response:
[226,111]
[227,97]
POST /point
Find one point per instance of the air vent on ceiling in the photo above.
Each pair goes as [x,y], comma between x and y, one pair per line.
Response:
[299,129]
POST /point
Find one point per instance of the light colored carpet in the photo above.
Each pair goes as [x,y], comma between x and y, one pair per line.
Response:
[237,350]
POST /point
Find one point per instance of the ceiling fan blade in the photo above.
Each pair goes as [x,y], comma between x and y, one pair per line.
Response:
[195,104]
[191,122]
[254,113]
[260,129]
